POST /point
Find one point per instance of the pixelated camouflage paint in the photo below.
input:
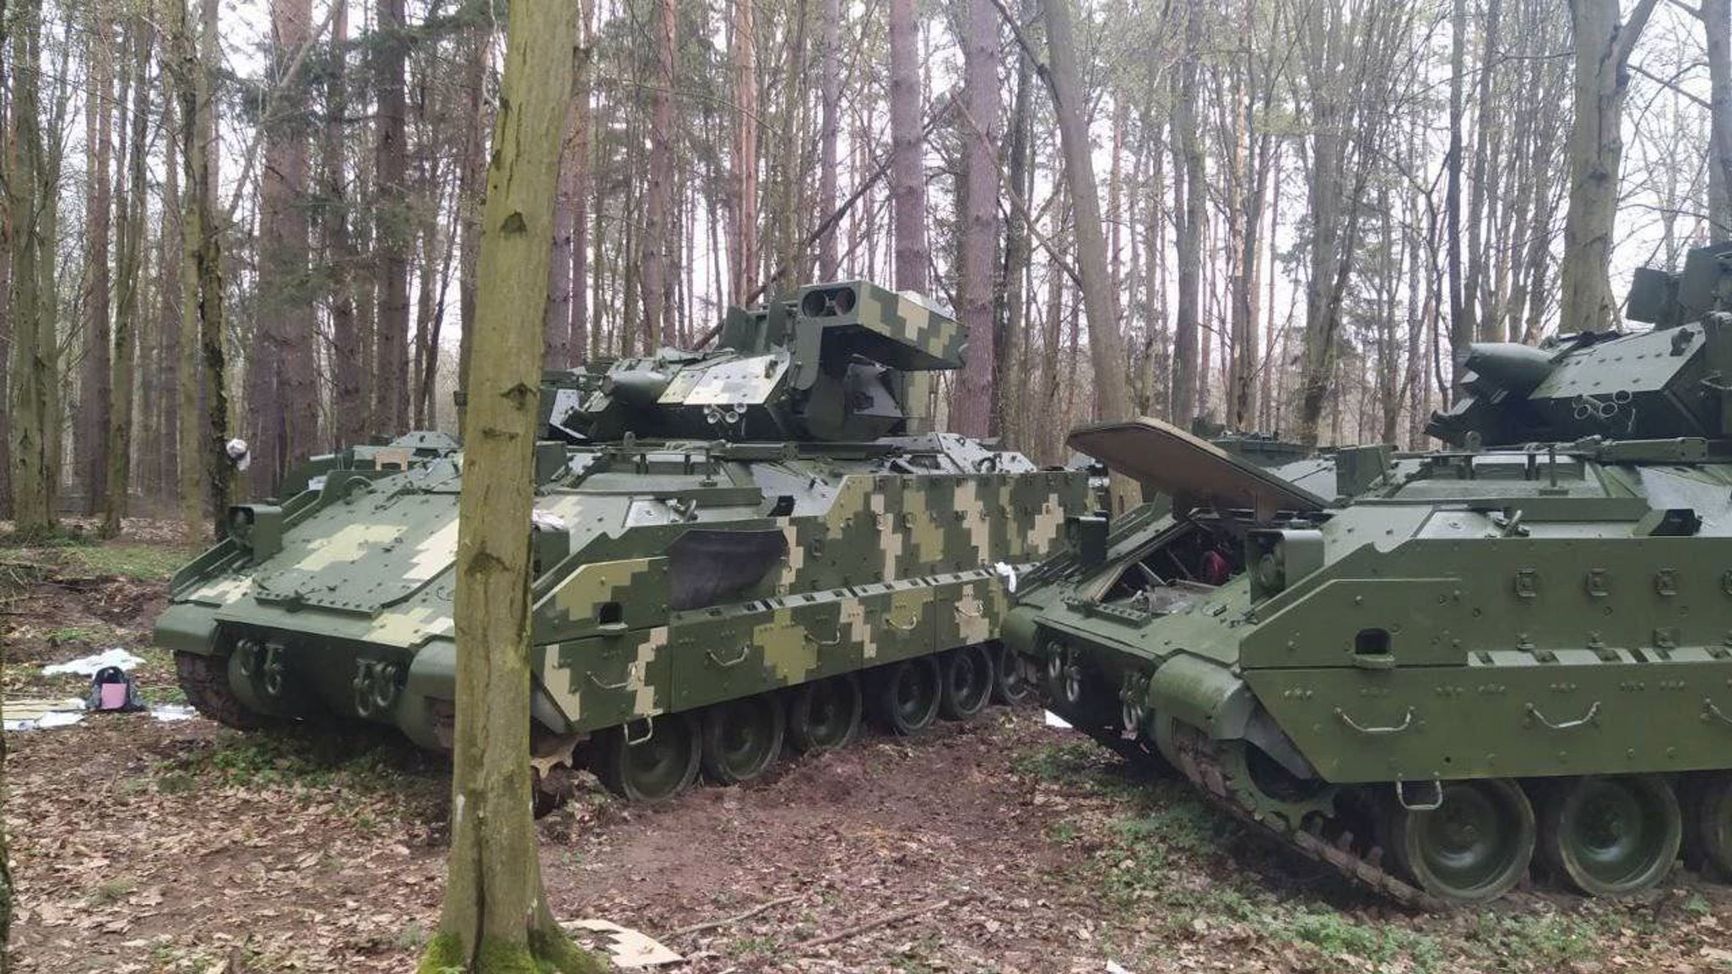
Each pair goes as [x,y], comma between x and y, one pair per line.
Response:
[883,544]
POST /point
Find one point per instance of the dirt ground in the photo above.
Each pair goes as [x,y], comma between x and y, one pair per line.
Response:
[998,845]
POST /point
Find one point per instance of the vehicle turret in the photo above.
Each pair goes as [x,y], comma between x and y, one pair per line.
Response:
[1668,382]
[827,363]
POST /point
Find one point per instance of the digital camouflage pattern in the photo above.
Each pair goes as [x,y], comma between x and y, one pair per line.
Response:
[1429,670]
[709,527]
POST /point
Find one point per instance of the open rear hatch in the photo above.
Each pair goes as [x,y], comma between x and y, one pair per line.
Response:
[1194,472]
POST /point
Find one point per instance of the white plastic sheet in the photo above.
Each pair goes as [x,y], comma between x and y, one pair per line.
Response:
[88,665]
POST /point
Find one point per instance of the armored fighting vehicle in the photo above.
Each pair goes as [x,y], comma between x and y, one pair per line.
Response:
[731,547]
[1428,670]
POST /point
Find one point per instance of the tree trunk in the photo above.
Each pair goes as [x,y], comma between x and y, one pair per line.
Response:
[743,260]
[830,97]
[907,146]
[131,267]
[1717,23]
[1602,55]
[35,356]
[392,234]
[1010,383]
[204,438]
[1481,319]
[280,378]
[656,240]
[168,291]
[556,328]
[348,398]
[971,407]
[1460,324]
[469,182]
[496,918]
[581,165]
[95,397]
[1189,214]
[1111,400]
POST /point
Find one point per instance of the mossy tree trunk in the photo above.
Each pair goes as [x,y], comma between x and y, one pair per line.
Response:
[496,917]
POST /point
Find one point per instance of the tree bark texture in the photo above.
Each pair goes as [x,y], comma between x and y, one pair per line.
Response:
[971,407]
[1602,48]
[496,918]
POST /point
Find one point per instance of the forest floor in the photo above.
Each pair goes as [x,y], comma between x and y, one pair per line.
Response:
[1004,845]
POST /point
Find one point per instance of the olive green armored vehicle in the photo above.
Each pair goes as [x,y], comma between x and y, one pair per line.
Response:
[731,548]
[1431,670]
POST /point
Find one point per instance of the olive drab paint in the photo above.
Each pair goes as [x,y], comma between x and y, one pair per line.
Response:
[1427,669]
[709,526]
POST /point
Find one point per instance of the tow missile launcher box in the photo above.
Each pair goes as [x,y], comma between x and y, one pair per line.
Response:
[1435,671]
[731,546]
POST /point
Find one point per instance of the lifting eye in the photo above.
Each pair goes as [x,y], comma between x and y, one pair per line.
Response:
[1371,642]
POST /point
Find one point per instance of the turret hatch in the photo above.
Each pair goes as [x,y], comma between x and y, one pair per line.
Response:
[1194,472]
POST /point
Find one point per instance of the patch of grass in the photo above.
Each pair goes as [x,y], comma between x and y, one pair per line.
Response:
[1542,939]
[74,634]
[1073,762]
[145,563]
[412,937]
[60,536]
[1178,818]
[165,693]
[298,756]
[1338,936]
[756,945]
[111,891]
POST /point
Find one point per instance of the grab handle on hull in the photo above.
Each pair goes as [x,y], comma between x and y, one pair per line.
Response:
[1406,722]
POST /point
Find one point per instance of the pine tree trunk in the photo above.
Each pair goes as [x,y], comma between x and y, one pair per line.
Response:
[348,398]
[907,145]
[496,918]
[392,234]
[657,238]
[95,397]
[284,403]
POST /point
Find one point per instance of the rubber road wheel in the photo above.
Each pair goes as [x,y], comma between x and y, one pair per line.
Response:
[648,769]
[905,694]
[742,738]
[1611,835]
[205,681]
[824,714]
[1709,815]
[1473,847]
[1009,686]
[967,687]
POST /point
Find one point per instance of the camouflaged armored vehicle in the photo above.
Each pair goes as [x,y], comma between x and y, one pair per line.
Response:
[1430,670]
[731,547]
